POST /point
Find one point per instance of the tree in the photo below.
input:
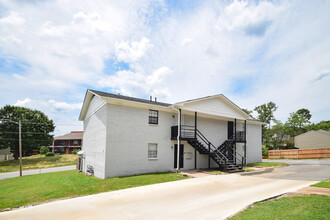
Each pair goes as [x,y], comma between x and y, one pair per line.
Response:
[266,112]
[36,129]
[298,122]
[248,112]
[324,125]
[43,150]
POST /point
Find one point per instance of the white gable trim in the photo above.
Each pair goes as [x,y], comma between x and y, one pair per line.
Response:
[224,107]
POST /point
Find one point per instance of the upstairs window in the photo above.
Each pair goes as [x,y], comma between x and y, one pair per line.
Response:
[152,151]
[153,117]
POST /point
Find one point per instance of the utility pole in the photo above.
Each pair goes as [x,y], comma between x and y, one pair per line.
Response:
[19,142]
[20,147]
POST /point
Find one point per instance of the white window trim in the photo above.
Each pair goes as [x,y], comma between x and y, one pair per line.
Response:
[153,158]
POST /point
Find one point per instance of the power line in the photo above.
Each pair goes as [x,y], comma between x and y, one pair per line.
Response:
[27,132]
[27,122]
[15,139]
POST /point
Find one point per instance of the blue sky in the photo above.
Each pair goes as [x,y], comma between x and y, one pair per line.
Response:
[251,51]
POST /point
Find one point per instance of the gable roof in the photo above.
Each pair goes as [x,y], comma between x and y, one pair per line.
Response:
[319,132]
[73,135]
[222,98]
[128,98]
[323,132]
[237,111]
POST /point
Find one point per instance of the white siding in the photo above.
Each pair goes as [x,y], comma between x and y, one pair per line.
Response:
[94,142]
[95,104]
[253,145]
[214,106]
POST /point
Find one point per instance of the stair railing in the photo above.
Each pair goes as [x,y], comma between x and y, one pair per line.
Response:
[212,148]
[235,152]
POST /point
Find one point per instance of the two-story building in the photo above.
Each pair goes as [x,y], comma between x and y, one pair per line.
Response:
[66,144]
[126,135]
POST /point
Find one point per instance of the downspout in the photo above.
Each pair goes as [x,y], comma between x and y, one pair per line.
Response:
[178,139]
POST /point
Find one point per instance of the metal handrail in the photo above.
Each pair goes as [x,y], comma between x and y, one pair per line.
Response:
[203,138]
[235,152]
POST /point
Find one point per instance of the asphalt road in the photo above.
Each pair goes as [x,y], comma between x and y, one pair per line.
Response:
[211,197]
[37,171]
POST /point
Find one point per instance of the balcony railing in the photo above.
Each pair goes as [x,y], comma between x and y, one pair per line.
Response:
[186,132]
[239,136]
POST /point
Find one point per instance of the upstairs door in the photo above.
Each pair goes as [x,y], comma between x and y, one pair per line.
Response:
[230,131]
[180,156]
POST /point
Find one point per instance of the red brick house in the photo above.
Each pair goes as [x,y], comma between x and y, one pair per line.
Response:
[67,143]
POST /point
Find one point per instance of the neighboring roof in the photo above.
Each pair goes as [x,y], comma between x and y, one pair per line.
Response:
[320,131]
[128,98]
[74,135]
[323,132]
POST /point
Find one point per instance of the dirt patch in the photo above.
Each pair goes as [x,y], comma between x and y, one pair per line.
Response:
[310,190]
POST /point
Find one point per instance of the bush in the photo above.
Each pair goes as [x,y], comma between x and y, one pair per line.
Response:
[49,154]
[75,151]
[265,151]
[44,150]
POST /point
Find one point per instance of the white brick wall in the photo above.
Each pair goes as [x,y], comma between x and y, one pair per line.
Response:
[94,142]
[116,141]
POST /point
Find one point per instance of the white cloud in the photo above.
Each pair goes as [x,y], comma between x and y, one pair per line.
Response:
[54,105]
[131,52]
[252,18]
[14,18]
[130,83]
[186,41]
[63,106]
[252,51]
[23,102]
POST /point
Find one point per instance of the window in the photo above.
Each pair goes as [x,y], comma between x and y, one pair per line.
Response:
[153,117]
[152,151]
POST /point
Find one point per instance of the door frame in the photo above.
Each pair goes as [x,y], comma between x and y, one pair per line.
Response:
[181,156]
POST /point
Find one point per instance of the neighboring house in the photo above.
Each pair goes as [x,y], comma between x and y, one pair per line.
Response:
[68,143]
[5,154]
[126,136]
[313,140]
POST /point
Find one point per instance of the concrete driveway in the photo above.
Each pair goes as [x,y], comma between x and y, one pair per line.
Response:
[211,197]
[36,171]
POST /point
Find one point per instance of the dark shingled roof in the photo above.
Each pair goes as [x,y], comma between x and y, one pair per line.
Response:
[110,95]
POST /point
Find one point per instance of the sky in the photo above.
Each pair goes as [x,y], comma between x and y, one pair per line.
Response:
[253,52]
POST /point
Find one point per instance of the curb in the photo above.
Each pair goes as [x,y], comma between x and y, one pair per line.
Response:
[268,170]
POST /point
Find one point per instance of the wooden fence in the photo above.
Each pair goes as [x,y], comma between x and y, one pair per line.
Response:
[300,154]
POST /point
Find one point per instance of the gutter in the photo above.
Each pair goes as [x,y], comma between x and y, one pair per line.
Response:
[178,139]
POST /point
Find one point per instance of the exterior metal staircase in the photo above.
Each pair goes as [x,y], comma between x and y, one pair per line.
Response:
[228,159]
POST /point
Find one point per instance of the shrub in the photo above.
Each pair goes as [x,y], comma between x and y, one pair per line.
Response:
[44,150]
[75,151]
[264,151]
[49,154]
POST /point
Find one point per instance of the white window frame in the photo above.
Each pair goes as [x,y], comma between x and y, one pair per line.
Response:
[151,152]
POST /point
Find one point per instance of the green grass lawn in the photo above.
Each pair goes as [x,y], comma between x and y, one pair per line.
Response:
[37,162]
[325,184]
[267,164]
[290,207]
[248,169]
[39,188]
